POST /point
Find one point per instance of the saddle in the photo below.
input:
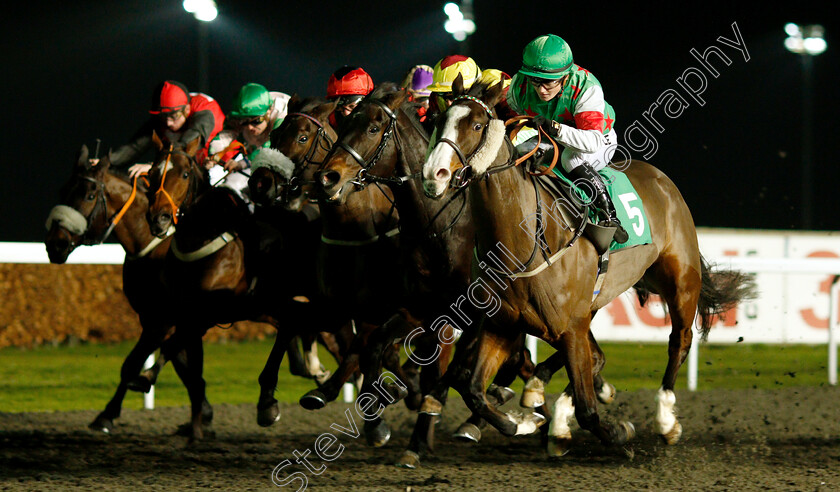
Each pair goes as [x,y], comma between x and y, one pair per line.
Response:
[600,237]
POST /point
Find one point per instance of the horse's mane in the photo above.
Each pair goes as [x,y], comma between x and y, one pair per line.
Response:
[307,104]
[217,210]
[384,89]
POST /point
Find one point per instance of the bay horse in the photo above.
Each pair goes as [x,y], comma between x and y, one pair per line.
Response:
[351,279]
[382,143]
[216,265]
[95,202]
[551,296]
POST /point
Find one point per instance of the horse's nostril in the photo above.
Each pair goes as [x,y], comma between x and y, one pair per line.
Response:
[329,178]
[443,174]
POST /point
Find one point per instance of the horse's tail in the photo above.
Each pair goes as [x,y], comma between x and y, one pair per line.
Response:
[721,290]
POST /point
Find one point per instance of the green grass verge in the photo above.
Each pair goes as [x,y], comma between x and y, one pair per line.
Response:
[85,377]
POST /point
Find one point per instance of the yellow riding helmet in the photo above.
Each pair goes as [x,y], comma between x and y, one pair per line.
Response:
[447,70]
[491,77]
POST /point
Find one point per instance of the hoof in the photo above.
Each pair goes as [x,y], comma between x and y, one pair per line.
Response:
[267,416]
[431,406]
[607,394]
[526,424]
[502,394]
[673,436]
[409,459]
[534,394]
[314,400]
[188,430]
[378,435]
[140,385]
[629,432]
[468,433]
[102,424]
[559,446]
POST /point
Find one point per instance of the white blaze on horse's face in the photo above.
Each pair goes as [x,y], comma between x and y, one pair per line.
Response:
[436,170]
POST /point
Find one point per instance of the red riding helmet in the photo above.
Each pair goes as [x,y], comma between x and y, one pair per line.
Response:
[168,97]
[349,81]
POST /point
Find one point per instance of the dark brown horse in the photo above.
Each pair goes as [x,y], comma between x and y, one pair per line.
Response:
[554,300]
[383,144]
[216,266]
[96,202]
[358,237]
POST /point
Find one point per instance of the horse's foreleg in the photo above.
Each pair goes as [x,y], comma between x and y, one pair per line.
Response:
[577,347]
[331,388]
[190,368]
[150,339]
[268,411]
[493,350]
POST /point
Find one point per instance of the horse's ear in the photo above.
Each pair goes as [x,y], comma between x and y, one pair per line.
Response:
[82,161]
[493,94]
[396,99]
[458,85]
[193,146]
[323,111]
[105,162]
[294,103]
[157,141]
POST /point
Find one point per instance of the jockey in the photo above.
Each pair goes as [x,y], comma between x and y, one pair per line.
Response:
[567,101]
[348,86]
[445,72]
[178,116]
[416,82]
[255,113]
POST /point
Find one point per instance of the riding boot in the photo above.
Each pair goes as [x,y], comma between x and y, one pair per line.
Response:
[601,201]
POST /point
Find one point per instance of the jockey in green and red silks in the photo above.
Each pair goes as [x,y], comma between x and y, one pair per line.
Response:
[567,101]
[178,116]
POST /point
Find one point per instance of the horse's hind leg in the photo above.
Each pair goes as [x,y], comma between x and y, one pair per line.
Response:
[681,295]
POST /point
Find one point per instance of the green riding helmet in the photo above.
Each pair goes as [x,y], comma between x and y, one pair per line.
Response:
[253,100]
[547,57]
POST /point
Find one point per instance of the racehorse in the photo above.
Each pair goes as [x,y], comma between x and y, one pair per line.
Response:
[95,202]
[355,262]
[216,266]
[553,296]
[383,143]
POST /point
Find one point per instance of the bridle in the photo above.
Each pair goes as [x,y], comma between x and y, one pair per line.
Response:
[320,141]
[192,188]
[362,177]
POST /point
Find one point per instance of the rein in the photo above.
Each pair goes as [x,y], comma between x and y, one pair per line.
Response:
[176,211]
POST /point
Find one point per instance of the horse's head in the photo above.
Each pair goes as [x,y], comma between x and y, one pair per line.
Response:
[175,179]
[82,215]
[285,173]
[466,139]
[364,135]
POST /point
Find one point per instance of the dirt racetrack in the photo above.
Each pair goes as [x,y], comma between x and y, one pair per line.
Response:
[787,439]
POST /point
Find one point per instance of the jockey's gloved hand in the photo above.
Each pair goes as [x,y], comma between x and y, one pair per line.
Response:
[551,127]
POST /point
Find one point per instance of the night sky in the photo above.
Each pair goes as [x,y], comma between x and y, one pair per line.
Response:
[85,70]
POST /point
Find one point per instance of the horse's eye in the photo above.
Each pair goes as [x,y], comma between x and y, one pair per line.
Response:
[186,174]
[477,127]
[373,129]
[303,139]
[91,197]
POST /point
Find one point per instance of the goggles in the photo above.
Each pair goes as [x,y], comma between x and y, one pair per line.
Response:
[349,100]
[252,121]
[544,83]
